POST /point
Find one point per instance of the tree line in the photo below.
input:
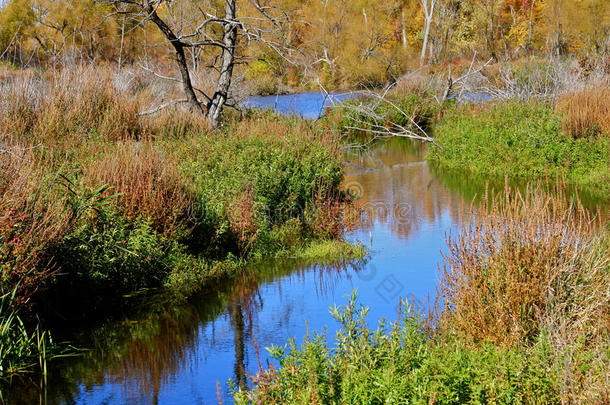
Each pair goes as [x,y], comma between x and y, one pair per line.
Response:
[295,43]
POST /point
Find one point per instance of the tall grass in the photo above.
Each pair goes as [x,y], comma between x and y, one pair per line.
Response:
[498,272]
[148,182]
[33,217]
[79,104]
[20,350]
[586,113]
[534,264]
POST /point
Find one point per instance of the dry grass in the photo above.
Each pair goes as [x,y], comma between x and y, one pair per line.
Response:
[88,103]
[33,216]
[531,264]
[586,112]
[498,272]
[149,181]
[74,104]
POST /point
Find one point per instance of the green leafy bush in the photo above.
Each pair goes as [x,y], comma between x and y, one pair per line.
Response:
[109,256]
[400,362]
[250,184]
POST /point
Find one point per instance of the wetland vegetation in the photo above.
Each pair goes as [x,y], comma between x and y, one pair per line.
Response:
[157,239]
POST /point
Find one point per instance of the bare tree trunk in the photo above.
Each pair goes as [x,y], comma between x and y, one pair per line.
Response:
[403,24]
[228,61]
[528,44]
[180,57]
[122,43]
[428,14]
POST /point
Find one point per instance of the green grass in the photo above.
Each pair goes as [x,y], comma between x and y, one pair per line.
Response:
[326,251]
[522,141]
[22,349]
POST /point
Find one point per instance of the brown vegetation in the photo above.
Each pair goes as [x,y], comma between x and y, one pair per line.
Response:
[79,103]
[148,182]
[499,271]
[528,265]
[33,216]
[586,112]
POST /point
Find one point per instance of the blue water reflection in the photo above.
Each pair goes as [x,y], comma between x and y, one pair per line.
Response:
[306,105]
[182,355]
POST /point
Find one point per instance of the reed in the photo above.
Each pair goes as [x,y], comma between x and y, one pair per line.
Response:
[534,264]
[67,106]
[147,181]
[497,273]
[586,112]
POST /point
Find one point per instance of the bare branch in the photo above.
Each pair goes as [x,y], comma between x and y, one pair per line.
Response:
[164,106]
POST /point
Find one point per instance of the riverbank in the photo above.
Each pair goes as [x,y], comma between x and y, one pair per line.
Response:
[522,312]
[524,128]
[98,204]
[524,140]
[522,321]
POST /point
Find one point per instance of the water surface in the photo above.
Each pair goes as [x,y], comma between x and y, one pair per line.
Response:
[179,355]
[305,105]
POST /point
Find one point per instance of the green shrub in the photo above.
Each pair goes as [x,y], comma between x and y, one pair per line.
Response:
[400,362]
[109,256]
[249,185]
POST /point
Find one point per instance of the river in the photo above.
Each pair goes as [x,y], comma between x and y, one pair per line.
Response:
[186,354]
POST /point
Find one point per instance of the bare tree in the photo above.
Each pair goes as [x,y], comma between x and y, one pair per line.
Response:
[222,32]
[428,6]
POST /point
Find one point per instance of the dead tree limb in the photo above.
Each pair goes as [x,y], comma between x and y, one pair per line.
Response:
[368,120]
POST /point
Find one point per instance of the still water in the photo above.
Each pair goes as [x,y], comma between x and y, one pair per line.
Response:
[186,354]
[305,105]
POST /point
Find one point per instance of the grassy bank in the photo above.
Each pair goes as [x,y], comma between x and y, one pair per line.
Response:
[528,140]
[523,318]
[96,203]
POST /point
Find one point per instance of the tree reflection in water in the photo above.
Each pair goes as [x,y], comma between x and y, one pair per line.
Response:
[176,353]
[145,352]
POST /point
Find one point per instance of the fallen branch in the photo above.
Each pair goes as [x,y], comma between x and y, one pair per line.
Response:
[378,126]
[164,106]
